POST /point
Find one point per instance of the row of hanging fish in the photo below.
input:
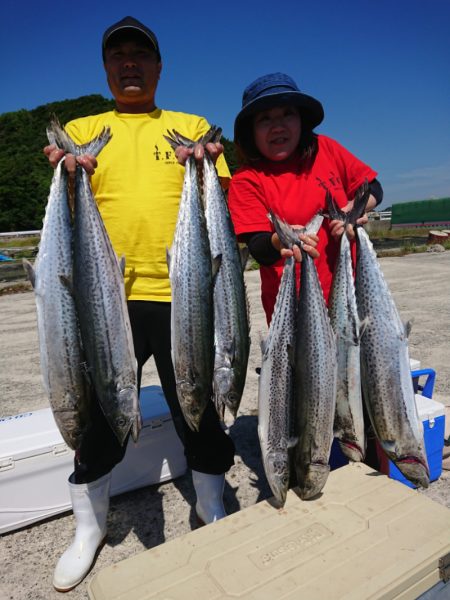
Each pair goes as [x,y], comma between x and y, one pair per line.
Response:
[299,358]
[320,365]
[210,328]
[85,339]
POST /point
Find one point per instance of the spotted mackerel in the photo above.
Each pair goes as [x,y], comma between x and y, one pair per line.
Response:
[191,272]
[99,293]
[315,372]
[386,374]
[276,387]
[231,324]
[347,326]
[65,380]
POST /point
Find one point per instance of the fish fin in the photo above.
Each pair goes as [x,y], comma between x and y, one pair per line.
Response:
[230,352]
[334,211]
[287,234]
[56,134]
[313,226]
[96,145]
[244,254]
[292,442]
[388,446]
[291,354]
[228,419]
[136,427]
[408,327]
[175,139]
[263,344]
[212,136]
[363,326]
[359,204]
[29,270]
[66,282]
[216,264]
[122,263]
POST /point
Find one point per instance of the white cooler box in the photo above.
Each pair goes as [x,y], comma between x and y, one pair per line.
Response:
[35,462]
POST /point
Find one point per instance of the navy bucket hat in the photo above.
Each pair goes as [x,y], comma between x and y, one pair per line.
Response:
[133,25]
[268,91]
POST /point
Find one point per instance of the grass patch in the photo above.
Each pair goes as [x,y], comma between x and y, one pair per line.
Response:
[252,264]
[398,234]
[19,242]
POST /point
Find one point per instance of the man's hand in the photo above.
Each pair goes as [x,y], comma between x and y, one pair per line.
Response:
[214,150]
[87,161]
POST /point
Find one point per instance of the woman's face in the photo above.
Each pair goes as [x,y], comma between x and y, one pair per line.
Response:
[277,132]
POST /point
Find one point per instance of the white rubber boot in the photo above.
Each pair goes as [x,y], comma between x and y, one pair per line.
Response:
[209,490]
[90,503]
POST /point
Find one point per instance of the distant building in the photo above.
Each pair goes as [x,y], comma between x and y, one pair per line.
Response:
[424,213]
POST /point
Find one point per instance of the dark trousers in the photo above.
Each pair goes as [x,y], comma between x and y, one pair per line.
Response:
[210,450]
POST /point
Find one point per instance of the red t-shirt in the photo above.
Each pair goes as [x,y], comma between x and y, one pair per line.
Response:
[295,191]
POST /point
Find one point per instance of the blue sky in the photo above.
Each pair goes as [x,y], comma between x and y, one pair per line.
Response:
[381,68]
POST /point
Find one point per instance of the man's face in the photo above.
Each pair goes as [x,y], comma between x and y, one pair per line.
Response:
[133,71]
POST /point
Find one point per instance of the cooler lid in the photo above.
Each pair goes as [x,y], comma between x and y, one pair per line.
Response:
[29,434]
[429,409]
[34,433]
[366,536]
[414,364]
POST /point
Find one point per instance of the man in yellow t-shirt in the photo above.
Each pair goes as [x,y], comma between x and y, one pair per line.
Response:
[137,184]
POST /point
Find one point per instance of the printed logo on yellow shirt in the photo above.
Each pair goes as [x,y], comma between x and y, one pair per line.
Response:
[166,156]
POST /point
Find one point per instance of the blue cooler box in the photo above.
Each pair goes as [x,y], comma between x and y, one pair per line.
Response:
[432,415]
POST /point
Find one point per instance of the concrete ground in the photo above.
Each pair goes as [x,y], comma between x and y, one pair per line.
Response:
[147,517]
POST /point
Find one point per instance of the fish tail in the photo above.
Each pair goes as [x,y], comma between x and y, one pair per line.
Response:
[334,211]
[56,134]
[176,139]
[359,204]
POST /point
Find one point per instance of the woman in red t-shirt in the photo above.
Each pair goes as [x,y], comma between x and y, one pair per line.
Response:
[288,168]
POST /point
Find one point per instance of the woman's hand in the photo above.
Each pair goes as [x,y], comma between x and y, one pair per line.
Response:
[55,154]
[337,226]
[310,242]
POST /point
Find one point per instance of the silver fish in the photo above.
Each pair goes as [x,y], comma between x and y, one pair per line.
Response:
[99,293]
[349,417]
[191,272]
[65,380]
[231,326]
[102,311]
[386,375]
[315,375]
[276,387]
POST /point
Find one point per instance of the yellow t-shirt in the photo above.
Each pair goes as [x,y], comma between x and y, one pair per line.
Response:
[137,186]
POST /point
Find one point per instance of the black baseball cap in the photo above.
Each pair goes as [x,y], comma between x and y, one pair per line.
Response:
[131,24]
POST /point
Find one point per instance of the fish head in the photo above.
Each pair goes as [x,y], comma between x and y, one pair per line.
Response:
[311,479]
[277,473]
[128,401]
[188,394]
[225,391]
[415,470]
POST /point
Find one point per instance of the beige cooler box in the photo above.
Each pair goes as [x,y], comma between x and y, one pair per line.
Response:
[366,537]
[35,462]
